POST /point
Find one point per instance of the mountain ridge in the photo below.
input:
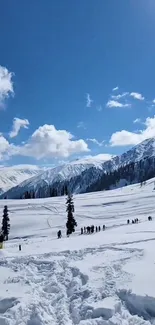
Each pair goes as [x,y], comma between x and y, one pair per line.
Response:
[80,175]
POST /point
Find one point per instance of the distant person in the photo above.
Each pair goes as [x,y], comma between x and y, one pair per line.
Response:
[59,234]
[96,229]
[99,228]
[103,227]
[81,231]
[92,229]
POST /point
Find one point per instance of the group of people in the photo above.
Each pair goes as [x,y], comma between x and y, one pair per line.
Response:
[133,221]
[91,229]
[136,220]
[85,230]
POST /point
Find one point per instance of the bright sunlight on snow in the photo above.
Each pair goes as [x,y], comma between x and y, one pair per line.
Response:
[105,278]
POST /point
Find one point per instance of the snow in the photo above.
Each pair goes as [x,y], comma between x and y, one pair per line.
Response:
[13,175]
[106,278]
[89,168]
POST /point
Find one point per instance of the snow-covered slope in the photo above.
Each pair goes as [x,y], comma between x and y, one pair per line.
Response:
[106,278]
[12,176]
[57,174]
[82,173]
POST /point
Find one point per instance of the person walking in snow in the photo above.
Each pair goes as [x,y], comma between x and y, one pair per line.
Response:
[81,231]
[59,234]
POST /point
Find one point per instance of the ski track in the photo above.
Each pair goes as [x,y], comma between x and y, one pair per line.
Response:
[59,293]
[79,280]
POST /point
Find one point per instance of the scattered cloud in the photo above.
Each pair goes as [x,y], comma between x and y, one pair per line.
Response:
[153,101]
[115,103]
[4,145]
[100,157]
[49,142]
[6,149]
[119,96]
[100,144]
[137,96]
[17,125]
[127,138]
[6,85]
[81,125]
[46,142]
[115,88]
[137,120]
[89,101]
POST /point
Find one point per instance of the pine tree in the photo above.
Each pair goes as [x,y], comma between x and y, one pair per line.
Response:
[65,190]
[5,223]
[71,222]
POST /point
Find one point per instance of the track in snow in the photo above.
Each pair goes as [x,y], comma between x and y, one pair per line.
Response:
[58,293]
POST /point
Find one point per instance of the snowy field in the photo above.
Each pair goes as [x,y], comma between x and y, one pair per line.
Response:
[105,278]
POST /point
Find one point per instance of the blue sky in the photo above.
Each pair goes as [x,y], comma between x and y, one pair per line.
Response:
[60,64]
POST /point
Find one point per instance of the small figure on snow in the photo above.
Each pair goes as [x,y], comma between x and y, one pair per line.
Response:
[149,218]
[81,231]
[59,234]
[99,228]
[92,229]
[103,227]
[128,221]
[96,229]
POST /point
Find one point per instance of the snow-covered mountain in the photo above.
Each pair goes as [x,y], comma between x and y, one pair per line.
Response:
[141,151]
[80,174]
[12,176]
[58,174]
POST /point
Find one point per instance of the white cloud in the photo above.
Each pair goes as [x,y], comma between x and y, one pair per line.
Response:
[126,138]
[153,101]
[137,96]
[119,96]
[4,145]
[115,103]
[137,120]
[100,157]
[89,101]
[6,85]
[6,149]
[48,142]
[17,125]
[115,88]
[81,125]
[100,144]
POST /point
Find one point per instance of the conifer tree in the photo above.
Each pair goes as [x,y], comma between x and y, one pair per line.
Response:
[5,223]
[71,222]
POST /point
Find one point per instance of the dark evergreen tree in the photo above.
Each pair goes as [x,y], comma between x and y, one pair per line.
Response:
[71,222]
[5,223]
[65,190]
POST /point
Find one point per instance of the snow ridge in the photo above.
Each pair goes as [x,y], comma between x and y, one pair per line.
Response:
[80,174]
[12,176]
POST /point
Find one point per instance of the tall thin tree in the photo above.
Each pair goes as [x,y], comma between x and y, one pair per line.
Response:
[5,223]
[71,222]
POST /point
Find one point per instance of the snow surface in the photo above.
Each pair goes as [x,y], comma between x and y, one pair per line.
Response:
[13,175]
[107,278]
